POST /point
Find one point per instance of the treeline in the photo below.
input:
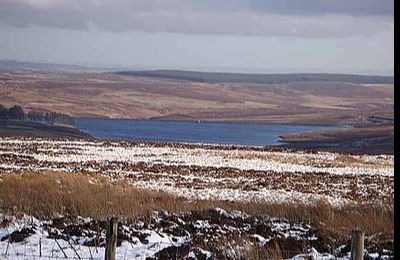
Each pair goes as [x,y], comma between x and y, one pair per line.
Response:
[17,113]
[216,77]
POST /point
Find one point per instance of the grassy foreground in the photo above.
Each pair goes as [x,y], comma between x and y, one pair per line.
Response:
[45,194]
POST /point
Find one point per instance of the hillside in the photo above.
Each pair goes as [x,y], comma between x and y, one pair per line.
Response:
[12,65]
[12,128]
[134,97]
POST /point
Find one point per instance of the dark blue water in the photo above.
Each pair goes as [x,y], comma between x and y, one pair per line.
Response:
[191,132]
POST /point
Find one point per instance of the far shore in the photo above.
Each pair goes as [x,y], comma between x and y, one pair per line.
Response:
[34,129]
[360,140]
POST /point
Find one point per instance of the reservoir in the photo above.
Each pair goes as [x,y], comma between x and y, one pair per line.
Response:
[192,132]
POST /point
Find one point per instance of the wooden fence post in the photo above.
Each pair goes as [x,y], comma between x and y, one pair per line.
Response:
[357,244]
[111,239]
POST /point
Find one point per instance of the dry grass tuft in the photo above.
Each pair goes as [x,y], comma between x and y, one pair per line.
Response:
[272,252]
[44,195]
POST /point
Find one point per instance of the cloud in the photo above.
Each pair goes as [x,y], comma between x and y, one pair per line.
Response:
[313,7]
[306,18]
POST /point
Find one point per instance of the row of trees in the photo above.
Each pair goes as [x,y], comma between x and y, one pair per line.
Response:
[218,77]
[17,113]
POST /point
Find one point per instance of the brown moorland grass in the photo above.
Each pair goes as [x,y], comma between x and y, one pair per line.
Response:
[44,195]
[115,96]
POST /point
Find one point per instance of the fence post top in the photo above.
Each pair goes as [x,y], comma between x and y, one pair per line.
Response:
[357,228]
[119,218]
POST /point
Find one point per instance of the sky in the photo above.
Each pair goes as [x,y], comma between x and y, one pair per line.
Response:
[346,36]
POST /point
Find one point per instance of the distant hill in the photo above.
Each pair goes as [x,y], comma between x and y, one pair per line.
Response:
[106,95]
[216,77]
[12,65]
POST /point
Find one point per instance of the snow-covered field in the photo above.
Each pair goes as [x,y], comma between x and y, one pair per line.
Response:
[196,172]
[224,235]
[213,171]
[30,238]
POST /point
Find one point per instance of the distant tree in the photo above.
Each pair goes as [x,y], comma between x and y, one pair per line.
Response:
[3,112]
[61,119]
[35,116]
[50,118]
[16,112]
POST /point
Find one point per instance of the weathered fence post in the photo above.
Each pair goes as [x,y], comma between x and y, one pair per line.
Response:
[40,246]
[111,239]
[357,244]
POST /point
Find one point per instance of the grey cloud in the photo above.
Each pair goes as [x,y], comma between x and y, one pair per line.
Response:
[312,7]
[305,18]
